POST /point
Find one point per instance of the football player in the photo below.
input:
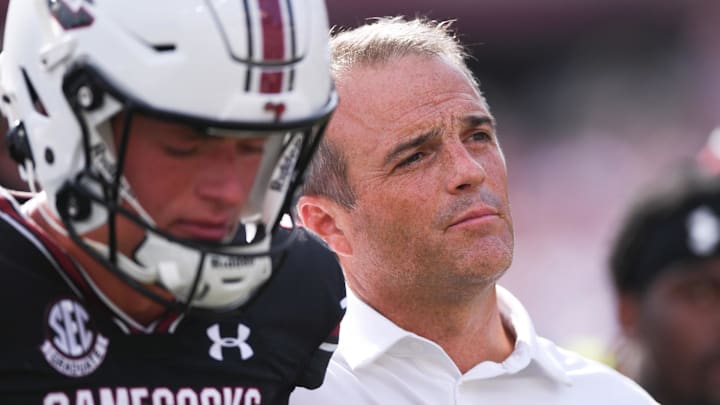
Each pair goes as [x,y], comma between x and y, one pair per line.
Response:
[163,141]
[665,268]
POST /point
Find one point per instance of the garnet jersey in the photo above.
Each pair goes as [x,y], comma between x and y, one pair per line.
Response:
[63,344]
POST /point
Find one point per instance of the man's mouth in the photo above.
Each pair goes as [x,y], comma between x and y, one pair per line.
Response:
[202,230]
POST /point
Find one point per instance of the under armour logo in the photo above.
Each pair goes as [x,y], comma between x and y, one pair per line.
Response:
[277,108]
[243,332]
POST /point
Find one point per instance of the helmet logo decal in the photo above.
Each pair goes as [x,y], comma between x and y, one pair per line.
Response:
[273,36]
[243,332]
[71,15]
[221,262]
[284,169]
[102,161]
[277,108]
[72,347]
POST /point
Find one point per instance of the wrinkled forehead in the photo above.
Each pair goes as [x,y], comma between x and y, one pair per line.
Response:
[405,96]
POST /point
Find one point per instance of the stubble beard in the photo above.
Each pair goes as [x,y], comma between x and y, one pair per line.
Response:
[412,266]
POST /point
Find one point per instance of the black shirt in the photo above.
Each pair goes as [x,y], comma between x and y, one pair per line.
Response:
[61,344]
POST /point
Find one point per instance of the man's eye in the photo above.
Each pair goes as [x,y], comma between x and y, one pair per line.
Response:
[411,159]
[702,294]
[481,136]
[180,152]
[250,148]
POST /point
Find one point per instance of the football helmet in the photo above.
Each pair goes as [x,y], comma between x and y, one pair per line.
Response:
[228,68]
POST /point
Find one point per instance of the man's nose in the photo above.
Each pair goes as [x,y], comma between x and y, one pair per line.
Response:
[465,170]
[228,176]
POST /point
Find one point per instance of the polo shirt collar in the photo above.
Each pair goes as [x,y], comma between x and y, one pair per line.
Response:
[527,343]
[366,335]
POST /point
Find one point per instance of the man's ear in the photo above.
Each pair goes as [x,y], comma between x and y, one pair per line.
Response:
[322,216]
[629,313]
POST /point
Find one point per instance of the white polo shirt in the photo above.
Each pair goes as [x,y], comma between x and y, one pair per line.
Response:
[378,362]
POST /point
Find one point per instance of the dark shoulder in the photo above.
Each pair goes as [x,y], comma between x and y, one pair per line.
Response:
[311,251]
[17,237]
[27,253]
[31,266]
[308,263]
[306,251]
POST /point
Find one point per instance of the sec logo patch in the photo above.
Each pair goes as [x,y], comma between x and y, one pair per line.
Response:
[71,346]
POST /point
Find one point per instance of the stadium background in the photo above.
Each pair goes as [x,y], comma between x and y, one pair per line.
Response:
[593,98]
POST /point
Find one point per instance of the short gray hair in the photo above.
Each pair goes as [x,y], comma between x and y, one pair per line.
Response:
[388,38]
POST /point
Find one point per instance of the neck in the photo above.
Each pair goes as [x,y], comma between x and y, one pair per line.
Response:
[468,327]
[134,304]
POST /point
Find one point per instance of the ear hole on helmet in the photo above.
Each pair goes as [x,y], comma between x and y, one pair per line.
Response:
[71,205]
[18,144]
[34,97]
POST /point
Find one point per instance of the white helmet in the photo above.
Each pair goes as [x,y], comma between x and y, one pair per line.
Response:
[69,66]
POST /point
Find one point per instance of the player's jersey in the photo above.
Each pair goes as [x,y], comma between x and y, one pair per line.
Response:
[62,344]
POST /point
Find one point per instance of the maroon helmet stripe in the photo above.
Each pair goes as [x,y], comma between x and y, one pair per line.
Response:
[273,43]
[293,47]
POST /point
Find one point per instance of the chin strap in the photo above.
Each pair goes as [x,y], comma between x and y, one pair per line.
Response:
[142,274]
[206,279]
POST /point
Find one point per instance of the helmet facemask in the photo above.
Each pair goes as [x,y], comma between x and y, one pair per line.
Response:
[209,275]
